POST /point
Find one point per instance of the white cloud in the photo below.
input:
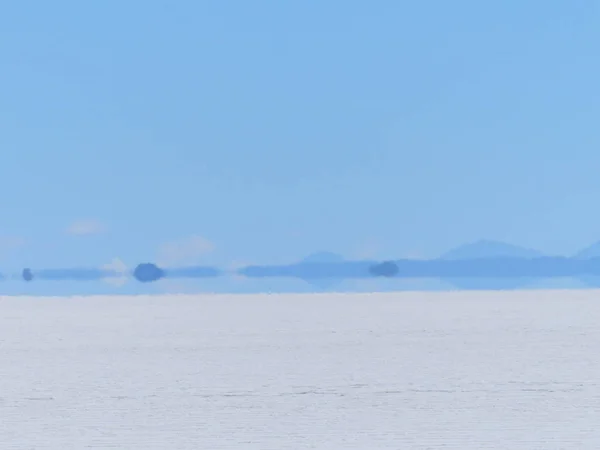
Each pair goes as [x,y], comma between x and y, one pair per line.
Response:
[120,268]
[181,252]
[86,227]
[184,251]
[233,271]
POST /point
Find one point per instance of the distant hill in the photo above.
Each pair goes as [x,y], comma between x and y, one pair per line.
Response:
[490,249]
[323,284]
[323,257]
[593,251]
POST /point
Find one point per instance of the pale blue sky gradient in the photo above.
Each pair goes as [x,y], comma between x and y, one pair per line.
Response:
[273,129]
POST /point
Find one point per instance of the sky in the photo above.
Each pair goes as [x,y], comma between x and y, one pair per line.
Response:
[230,133]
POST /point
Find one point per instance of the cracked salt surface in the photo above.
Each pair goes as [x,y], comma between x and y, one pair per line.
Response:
[517,370]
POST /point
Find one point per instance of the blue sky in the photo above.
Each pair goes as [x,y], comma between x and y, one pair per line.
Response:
[259,132]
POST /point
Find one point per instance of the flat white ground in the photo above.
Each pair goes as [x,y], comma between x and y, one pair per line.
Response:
[400,371]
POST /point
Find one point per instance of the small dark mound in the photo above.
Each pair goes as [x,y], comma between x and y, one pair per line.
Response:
[27,275]
[384,269]
[148,272]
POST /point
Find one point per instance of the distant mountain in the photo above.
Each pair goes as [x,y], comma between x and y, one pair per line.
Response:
[490,249]
[323,284]
[593,251]
[323,258]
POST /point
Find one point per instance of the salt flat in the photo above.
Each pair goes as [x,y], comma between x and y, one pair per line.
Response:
[462,371]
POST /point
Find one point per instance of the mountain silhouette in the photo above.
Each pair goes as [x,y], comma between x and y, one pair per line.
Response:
[323,258]
[490,249]
[593,251]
